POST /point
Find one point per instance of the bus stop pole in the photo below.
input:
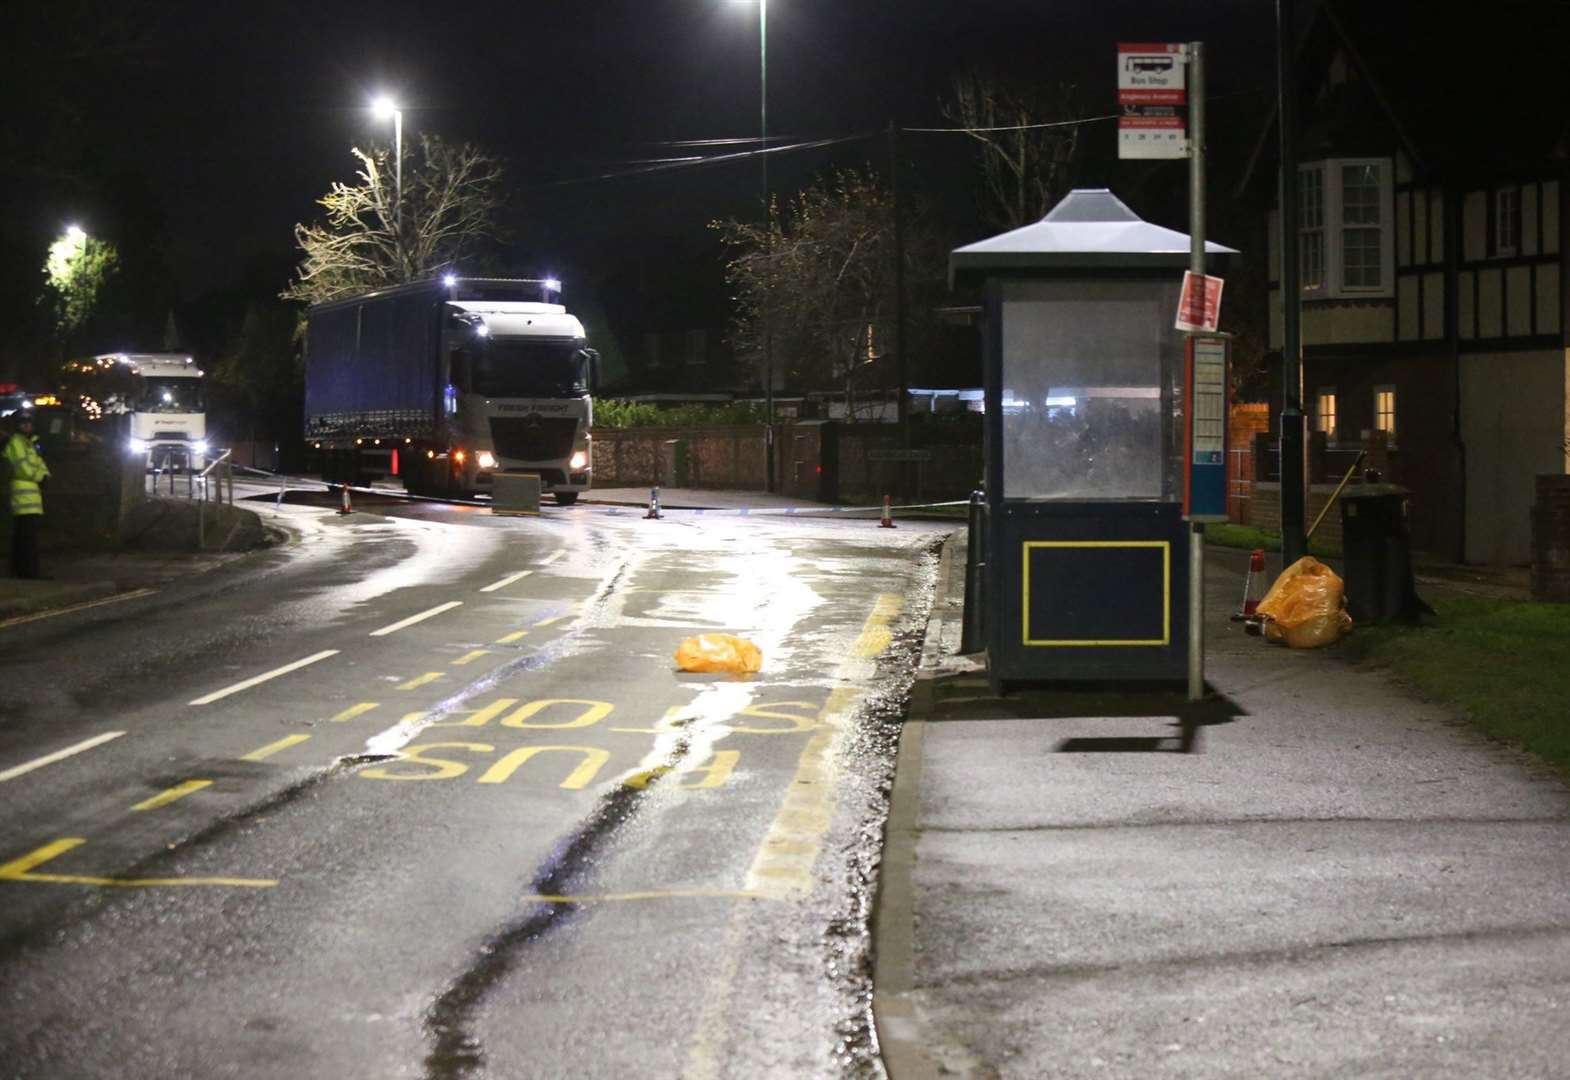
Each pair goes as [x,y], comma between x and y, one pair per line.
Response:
[1196,213]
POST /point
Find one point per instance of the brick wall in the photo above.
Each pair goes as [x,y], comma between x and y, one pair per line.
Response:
[716,458]
[1264,511]
[734,459]
[1243,423]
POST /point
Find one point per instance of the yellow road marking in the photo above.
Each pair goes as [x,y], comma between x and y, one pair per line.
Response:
[547,622]
[666,724]
[35,616]
[657,894]
[471,656]
[246,684]
[49,759]
[272,748]
[875,634]
[478,718]
[22,870]
[354,710]
[420,680]
[508,639]
[179,791]
[783,866]
[782,869]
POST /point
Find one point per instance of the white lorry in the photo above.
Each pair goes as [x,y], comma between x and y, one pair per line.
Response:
[166,410]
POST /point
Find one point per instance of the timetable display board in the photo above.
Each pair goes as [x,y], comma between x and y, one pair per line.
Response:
[1205,428]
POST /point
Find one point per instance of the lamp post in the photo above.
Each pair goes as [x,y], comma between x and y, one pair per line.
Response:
[384,108]
[763,160]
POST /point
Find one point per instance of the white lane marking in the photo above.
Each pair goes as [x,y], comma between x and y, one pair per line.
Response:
[552,557]
[255,679]
[49,759]
[412,619]
[508,580]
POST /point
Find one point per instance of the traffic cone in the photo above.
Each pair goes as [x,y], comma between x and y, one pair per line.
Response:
[347,507]
[888,516]
[654,504]
[1253,586]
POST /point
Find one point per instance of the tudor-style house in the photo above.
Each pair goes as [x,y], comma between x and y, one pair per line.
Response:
[1433,231]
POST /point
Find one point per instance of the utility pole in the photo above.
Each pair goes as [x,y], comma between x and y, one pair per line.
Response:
[1293,544]
[1196,259]
[900,358]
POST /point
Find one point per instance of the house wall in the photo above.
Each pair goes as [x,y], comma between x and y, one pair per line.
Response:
[1427,460]
[1510,314]
[1515,416]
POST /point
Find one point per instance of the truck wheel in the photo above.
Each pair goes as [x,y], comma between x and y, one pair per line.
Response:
[565,498]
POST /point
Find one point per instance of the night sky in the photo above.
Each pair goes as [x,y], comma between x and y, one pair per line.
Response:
[207,130]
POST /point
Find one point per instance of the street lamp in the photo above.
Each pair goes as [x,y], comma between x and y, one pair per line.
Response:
[768,236]
[384,108]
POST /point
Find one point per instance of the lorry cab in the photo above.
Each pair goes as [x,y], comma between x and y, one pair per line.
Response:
[166,410]
[519,379]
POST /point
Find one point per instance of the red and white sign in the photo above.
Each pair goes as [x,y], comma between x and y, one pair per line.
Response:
[1153,100]
[1152,74]
[1191,315]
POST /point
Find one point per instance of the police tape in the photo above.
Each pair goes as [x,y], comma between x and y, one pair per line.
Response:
[619,509]
[666,509]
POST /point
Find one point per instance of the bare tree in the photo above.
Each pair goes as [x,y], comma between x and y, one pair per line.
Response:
[1026,166]
[449,202]
[819,277]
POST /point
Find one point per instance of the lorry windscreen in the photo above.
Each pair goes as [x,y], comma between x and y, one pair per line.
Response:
[170,395]
[530,369]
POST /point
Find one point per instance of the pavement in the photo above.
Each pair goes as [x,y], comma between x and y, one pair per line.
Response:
[1339,878]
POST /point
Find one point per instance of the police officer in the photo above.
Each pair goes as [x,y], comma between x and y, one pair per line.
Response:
[28,472]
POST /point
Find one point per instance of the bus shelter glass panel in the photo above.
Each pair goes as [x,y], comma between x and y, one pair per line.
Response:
[1089,389]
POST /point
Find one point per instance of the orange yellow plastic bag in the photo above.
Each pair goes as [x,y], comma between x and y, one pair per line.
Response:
[1306,607]
[718,652]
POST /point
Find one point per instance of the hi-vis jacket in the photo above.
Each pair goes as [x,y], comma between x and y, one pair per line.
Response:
[27,469]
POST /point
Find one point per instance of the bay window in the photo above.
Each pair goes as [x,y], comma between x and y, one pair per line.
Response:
[1345,237]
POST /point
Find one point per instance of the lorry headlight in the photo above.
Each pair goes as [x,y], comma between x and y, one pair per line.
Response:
[137,446]
[579,460]
[485,459]
[200,446]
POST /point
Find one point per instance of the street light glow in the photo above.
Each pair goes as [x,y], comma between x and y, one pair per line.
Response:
[384,107]
[552,285]
[76,233]
[449,280]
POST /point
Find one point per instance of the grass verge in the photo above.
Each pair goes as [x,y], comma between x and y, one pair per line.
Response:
[1248,538]
[1501,663]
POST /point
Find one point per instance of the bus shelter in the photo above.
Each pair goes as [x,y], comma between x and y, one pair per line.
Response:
[1086,550]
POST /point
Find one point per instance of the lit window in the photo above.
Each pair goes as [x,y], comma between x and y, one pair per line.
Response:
[1385,411]
[1507,221]
[1325,414]
[1344,217]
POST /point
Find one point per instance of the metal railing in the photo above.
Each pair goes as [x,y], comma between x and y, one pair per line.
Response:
[214,484]
[220,470]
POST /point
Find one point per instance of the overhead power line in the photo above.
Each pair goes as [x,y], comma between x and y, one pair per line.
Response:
[713,159]
[1009,127]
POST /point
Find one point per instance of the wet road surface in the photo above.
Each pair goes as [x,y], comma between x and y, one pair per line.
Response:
[421,793]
